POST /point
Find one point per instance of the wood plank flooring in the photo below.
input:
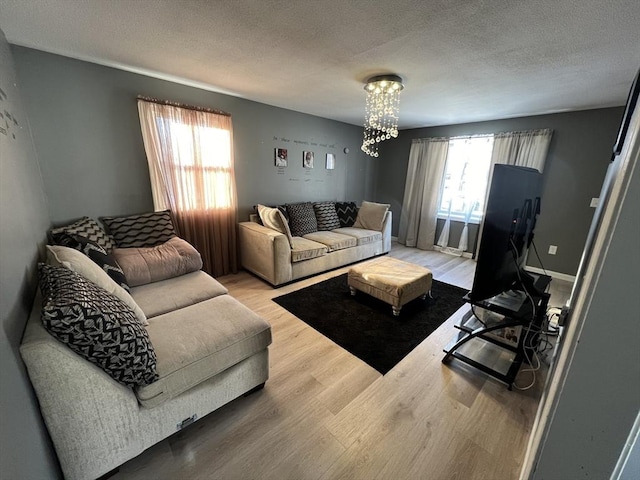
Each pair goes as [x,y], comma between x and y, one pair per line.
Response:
[324,414]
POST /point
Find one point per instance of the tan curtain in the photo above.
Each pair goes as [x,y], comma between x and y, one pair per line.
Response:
[418,219]
[525,149]
[190,156]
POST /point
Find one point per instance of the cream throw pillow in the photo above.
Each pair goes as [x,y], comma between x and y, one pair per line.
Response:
[371,216]
[274,219]
[78,262]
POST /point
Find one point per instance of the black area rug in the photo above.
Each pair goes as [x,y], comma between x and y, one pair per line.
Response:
[364,325]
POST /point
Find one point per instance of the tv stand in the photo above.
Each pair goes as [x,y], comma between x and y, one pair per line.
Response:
[478,345]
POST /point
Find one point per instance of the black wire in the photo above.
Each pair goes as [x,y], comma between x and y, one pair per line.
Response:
[538,256]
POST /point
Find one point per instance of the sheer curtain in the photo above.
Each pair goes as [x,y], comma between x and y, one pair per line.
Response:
[190,156]
[418,220]
[525,149]
[443,239]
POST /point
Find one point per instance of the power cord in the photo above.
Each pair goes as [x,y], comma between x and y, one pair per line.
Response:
[538,256]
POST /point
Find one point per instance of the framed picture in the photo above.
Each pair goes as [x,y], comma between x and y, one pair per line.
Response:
[331,161]
[281,157]
[307,159]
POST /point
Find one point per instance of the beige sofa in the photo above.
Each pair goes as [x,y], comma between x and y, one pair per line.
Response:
[210,349]
[271,256]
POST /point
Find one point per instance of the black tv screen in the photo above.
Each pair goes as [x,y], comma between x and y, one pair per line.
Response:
[507,230]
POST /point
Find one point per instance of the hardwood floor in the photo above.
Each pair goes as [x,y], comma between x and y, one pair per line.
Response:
[324,414]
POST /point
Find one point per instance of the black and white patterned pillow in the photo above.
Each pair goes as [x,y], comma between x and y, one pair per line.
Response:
[87,228]
[143,230]
[326,215]
[347,213]
[95,252]
[96,325]
[302,218]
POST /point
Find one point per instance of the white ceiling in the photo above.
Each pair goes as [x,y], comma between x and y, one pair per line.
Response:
[461,60]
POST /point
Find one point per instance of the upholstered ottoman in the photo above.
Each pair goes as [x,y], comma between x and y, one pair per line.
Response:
[393,281]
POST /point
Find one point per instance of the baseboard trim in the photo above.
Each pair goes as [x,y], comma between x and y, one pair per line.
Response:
[552,274]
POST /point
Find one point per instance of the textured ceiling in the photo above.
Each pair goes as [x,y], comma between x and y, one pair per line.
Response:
[461,60]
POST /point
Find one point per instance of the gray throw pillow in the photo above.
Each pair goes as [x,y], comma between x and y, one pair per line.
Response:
[326,215]
[302,219]
[347,213]
[96,325]
[85,227]
[143,230]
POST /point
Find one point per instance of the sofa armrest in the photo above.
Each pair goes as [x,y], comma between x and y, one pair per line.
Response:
[386,232]
[265,252]
[92,419]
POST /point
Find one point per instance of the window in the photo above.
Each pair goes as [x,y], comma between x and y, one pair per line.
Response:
[465,178]
[201,158]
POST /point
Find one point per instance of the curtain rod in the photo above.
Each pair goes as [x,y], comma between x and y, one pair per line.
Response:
[182,105]
[540,131]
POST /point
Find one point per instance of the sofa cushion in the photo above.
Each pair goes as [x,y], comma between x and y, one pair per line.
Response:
[171,259]
[78,262]
[326,215]
[142,230]
[304,249]
[86,227]
[371,215]
[347,213]
[96,325]
[362,235]
[97,254]
[302,218]
[179,292]
[274,219]
[334,241]
[197,342]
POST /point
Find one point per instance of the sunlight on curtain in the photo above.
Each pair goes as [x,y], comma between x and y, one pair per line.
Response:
[190,156]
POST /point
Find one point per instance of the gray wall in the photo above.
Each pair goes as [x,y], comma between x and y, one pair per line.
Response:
[25,450]
[87,134]
[599,401]
[578,157]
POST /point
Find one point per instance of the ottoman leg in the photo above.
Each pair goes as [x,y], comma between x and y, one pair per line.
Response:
[396,311]
[352,290]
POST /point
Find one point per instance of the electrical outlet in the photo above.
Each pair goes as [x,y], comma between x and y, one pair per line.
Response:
[594,202]
[553,249]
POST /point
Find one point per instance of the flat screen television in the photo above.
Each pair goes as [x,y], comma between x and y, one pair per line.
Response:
[507,231]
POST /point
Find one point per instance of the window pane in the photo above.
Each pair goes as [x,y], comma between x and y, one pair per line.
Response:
[202,161]
[215,147]
[465,178]
[182,143]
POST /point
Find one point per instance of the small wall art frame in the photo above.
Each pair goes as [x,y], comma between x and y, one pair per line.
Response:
[307,159]
[330,162]
[281,157]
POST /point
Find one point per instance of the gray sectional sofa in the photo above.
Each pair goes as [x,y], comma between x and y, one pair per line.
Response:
[280,256]
[208,350]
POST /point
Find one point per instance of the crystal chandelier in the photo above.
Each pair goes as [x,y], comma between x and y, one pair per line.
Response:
[381,112]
